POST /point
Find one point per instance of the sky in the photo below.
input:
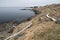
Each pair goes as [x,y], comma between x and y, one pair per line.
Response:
[26,3]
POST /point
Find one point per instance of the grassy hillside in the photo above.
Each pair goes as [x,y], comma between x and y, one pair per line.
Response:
[42,28]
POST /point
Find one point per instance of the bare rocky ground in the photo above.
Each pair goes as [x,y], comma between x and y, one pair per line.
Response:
[42,28]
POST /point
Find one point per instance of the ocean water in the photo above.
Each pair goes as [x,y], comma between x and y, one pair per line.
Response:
[14,13]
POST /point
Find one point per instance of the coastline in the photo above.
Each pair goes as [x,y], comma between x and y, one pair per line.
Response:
[41,25]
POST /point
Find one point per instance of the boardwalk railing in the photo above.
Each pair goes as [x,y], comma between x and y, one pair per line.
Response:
[51,18]
[18,32]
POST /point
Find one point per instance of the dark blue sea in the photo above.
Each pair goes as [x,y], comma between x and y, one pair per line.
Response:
[14,13]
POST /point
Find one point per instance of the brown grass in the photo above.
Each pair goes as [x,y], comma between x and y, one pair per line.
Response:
[43,28]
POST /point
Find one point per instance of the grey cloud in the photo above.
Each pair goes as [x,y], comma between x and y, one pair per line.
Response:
[21,3]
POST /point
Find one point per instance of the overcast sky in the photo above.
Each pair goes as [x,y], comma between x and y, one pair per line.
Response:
[25,3]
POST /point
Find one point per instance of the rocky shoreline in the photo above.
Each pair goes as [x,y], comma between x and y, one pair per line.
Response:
[42,28]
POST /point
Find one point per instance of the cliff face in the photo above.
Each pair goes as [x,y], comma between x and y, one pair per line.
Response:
[42,28]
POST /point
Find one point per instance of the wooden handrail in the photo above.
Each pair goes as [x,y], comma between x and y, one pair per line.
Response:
[51,18]
[18,32]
